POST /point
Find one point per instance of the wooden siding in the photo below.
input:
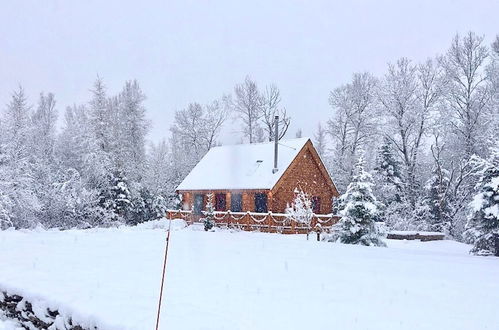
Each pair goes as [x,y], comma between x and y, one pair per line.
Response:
[306,173]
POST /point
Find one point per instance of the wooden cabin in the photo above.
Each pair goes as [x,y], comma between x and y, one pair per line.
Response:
[259,177]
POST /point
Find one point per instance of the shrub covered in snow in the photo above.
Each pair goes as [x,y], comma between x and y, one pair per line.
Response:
[301,209]
[359,209]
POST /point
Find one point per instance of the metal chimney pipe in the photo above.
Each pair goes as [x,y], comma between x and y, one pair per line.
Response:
[276,143]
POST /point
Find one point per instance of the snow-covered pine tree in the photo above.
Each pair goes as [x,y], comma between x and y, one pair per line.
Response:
[158,206]
[133,127]
[209,214]
[158,179]
[142,207]
[483,223]
[439,213]
[5,201]
[100,116]
[84,175]
[5,210]
[46,171]
[120,199]
[387,174]
[101,152]
[130,154]
[20,203]
[388,188]
[359,209]
[301,209]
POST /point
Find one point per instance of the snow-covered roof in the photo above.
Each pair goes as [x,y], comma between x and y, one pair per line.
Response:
[242,166]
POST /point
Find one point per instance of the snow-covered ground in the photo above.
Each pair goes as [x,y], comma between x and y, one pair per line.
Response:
[241,280]
[6,324]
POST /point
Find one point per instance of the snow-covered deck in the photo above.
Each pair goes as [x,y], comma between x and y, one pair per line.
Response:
[243,280]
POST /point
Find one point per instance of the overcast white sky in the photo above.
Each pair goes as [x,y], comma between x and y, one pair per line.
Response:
[183,51]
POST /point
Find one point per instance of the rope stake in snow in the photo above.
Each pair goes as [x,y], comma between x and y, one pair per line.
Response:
[164,272]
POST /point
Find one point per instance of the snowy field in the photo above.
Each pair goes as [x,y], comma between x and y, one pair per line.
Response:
[8,325]
[240,280]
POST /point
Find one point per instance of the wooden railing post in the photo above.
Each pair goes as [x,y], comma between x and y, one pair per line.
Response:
[269,222]
[247,221]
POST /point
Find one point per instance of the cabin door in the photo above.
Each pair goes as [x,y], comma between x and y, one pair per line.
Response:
[220,202]
[261,203]
[198,203]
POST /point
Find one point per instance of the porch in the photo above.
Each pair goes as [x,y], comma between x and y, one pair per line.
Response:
[263,222]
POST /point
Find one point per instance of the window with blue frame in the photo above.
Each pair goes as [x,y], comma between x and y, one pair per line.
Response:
[261,202]
[236,202]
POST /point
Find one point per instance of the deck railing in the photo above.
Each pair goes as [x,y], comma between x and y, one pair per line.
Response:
[263,222]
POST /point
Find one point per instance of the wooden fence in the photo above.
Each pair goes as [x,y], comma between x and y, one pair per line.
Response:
[263,222]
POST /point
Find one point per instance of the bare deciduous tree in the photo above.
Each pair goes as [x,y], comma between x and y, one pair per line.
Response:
[353,123]
[216,114]
[248,104]
[467,93]
[197,127]
[408,94]
[320,141]
[271,99]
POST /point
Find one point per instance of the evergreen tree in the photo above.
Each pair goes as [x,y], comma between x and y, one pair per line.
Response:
[19,202]
[100,116]
[118,199]
[158,179]
[84,177]
[359,209]
[387,175]
[483,223]
[45,172]
[209,220]
[5,210]
[439,211]
[388,188]
[133,128]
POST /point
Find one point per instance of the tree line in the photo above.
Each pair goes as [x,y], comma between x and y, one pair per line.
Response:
[94,172]
[425,131]
[99,169]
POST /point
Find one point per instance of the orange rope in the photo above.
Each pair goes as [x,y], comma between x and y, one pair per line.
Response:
[163,276]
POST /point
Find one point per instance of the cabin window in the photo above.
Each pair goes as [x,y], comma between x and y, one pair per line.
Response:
[236,202]
[220,202]
[261,203]
[316,204]
[198,204]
